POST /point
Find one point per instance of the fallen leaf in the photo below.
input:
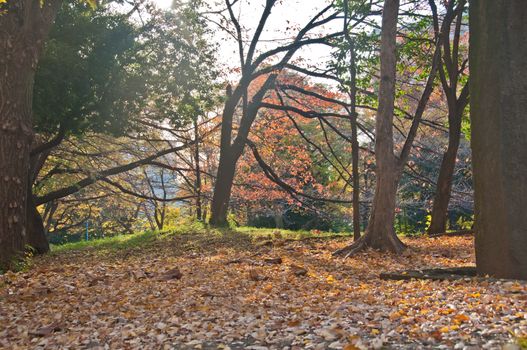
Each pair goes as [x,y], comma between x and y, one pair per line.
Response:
[171,275]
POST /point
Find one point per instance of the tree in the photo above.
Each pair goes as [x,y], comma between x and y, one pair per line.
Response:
[380,233]
[24,25]
[498,88]
[102,72]
[455,65]
[253,65]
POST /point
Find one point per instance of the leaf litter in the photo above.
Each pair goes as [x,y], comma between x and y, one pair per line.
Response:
[199,292]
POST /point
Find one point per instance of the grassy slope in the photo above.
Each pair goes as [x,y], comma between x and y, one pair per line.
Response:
[146,238]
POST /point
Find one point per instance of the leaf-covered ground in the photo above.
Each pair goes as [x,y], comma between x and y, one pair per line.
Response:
[241,291]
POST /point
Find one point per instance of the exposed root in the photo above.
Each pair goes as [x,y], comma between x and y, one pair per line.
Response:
[352,249]
[388,245]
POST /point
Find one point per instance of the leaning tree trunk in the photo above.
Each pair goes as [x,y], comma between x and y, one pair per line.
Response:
[23,28]
[380,233]
[35,230]
[444,181]
[223,188]
[498,88]
[36,234]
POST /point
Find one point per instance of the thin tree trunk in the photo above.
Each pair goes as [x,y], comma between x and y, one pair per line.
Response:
[24,28]
[354,134]
[197,184]
[456,107]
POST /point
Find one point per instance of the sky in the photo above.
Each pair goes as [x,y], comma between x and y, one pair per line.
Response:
[285,14]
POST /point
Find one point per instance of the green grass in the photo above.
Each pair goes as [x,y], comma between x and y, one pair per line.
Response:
[113,242]
[148,238]
[289,234]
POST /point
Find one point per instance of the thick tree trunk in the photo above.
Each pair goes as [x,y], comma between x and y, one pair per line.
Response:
[15,140]
[380,233]
[24,28]
[498,88]
[444,181]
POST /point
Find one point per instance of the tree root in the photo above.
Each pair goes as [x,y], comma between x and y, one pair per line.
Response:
[352,249]
[453,273]
[389,244]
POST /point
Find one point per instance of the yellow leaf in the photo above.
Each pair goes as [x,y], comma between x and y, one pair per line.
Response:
[461,318]
[92,3]
[445,329]
[350,347]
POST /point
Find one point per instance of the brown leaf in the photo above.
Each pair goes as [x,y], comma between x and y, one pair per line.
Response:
[138,274]
[255,276]
[171,275]
[275,261]
[46,330]
[298,270]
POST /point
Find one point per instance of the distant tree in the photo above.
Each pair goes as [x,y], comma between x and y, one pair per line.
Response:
[253,64]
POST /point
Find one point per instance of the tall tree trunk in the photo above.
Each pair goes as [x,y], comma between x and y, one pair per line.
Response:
[354,135]
[24,28]
[197,183]
[446,174]
[380,233]
[226,166]
[498,88]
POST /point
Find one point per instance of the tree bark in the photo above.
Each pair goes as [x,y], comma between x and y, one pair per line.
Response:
[36,234]
[197,183]
[380,233]
[456,107]
[222,189]
[444,181]
[498,88]
[354,135]
[24,28]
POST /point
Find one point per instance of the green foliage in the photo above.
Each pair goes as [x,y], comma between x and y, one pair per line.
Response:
[20,263]
[100,69]
[465,223]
